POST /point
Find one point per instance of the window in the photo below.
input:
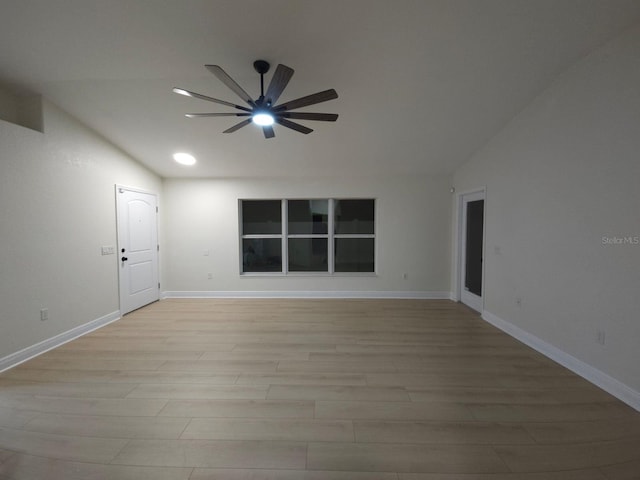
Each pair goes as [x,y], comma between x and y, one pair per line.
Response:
[323,236]
[308,235]
[354,235]
[261,236]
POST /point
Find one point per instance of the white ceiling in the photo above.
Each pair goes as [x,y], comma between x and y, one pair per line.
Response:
[422,84]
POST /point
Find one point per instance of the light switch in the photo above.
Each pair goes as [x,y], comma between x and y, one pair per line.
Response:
[108,250]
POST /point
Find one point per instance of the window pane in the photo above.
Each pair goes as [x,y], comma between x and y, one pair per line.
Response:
[261,217]
[354,216]
[354,255]
[308,255]
[261,255]
[308,216]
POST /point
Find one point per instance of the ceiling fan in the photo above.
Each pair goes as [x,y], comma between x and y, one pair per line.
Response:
[264,111]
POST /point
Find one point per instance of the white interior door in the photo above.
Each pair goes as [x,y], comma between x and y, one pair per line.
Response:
[137,248]
[471,272]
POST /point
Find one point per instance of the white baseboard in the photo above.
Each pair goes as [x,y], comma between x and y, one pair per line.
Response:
[609,384]
[28,353]
[309,294]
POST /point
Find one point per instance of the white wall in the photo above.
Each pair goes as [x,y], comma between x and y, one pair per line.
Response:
[57,209]
[561,176]
[21,110]
[413,233]
[8,107]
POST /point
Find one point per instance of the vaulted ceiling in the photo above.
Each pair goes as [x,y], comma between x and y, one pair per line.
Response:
[422,84]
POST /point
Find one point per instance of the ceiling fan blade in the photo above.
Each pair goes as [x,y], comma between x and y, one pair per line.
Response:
[231,83]
[187,93]
[200,115]
[279,81]
[294,126]
[238,126]
[268,131]
[308,100]
[324,117]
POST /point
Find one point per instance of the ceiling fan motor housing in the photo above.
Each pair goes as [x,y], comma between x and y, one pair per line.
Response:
[261,66]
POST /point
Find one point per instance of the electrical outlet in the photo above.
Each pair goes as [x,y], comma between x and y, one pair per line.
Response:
[44,314]
[210,276]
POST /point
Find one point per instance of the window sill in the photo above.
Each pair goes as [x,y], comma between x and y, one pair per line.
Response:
[307,274]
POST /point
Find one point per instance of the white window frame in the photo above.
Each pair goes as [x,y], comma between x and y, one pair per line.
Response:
[330,236]
[283,246]
[327,236]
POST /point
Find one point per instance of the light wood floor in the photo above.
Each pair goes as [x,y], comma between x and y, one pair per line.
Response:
[308,389]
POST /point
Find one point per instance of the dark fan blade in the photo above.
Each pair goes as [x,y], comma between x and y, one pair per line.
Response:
[187,93]
[325,117]
[268,131]
[199,115]
[231,83]
[279,81]
[238,126]
[308,100]
[292,125]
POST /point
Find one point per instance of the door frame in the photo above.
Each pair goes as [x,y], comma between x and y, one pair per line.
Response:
[117,189]
[460,241]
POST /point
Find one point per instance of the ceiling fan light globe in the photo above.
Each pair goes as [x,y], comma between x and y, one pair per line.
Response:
[263,119]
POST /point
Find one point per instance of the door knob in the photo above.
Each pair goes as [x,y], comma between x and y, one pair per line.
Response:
[124,259]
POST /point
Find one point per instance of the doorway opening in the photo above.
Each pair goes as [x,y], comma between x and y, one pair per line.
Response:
[471,231]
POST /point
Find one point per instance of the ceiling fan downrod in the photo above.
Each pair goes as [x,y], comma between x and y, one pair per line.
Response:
[262,67]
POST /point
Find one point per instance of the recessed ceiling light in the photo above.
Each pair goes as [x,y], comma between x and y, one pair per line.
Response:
[184,158]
